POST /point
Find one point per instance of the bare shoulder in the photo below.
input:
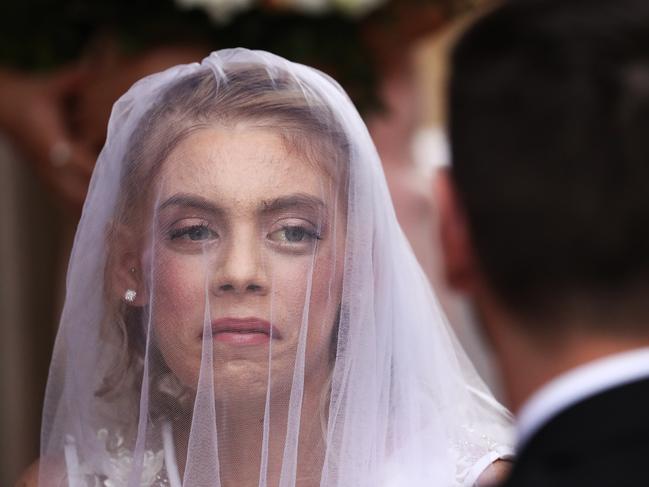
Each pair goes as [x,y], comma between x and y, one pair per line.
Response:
[53,471]
[29,478]
[495,473]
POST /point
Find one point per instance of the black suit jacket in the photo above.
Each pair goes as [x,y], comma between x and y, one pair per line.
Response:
[602,441]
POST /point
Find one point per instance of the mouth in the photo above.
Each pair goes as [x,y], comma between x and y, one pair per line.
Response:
[243,331]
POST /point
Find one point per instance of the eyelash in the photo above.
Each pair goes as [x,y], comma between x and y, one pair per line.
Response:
[185,233]
[179,233]
[309,233]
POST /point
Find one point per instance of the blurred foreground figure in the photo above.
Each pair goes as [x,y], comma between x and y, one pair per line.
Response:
[242,307]
[545,225]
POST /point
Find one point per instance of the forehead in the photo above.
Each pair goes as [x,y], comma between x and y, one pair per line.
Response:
[240,165]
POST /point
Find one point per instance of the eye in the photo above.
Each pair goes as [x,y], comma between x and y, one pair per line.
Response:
[194,233]
[293,234]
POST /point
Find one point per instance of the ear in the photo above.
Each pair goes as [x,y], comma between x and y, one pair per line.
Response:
[458,259]
[125,265]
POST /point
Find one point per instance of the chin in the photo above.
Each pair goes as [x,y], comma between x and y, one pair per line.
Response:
[245,383]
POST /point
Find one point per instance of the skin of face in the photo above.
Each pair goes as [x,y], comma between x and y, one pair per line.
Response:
[245,227]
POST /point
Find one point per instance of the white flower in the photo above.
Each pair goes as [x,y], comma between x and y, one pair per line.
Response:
[305,6]
[221,11]
[357,8]
[354,8]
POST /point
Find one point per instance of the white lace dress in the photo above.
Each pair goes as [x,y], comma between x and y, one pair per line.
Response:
[161,470]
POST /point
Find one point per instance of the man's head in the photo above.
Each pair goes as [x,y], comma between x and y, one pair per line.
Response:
[549,130]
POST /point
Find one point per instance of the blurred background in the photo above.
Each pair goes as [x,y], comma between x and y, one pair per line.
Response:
[63,63]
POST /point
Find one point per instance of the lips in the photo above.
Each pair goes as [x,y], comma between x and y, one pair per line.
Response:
[243,331]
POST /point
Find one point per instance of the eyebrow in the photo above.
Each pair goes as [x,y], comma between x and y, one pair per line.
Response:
[191,201]
[298,200]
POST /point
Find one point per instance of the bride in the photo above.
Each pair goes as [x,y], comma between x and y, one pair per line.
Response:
[242,307]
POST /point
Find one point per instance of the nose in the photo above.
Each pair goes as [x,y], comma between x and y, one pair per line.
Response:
[240,268]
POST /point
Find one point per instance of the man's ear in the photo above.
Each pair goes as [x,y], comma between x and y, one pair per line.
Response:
[126,266]
[458,258]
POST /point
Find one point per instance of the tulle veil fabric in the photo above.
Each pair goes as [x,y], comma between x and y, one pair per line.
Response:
[366,386]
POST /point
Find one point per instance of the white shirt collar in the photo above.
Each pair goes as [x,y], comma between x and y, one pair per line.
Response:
[578,384]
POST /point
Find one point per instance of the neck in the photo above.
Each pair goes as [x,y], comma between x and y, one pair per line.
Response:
[240,446]
[240,427]
[528,361]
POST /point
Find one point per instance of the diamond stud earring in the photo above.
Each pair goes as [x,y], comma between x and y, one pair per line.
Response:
[129,295]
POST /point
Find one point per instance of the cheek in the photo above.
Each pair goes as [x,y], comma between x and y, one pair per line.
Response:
[325,293]
[180,282]
[290,281]
[178,300]
[324,302]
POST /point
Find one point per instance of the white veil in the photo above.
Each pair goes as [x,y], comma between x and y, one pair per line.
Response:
[242,307]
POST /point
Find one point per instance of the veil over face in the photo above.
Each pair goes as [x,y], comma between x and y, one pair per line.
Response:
[242,307]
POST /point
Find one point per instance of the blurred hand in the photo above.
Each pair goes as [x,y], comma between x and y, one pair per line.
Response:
[59,121]
[34,112]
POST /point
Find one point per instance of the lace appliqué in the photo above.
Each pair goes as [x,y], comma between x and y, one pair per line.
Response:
[469,450]
[113,465]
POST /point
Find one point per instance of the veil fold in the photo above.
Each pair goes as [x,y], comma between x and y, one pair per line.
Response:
[279,330]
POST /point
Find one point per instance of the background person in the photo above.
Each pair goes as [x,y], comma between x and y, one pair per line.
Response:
[545,226]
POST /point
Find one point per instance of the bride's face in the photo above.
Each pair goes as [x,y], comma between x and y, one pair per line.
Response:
[248,248]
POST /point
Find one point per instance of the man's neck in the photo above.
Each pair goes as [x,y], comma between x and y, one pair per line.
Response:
[580,384]
[528,364]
